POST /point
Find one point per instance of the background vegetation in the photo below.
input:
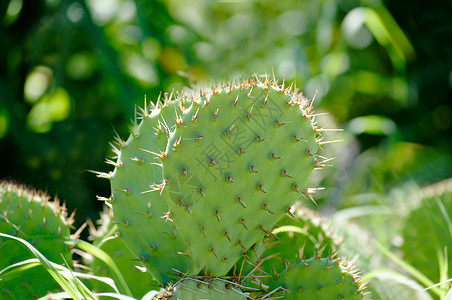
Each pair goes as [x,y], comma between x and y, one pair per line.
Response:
[72,72]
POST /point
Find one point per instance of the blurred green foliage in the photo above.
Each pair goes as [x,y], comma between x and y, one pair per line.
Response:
[72,72]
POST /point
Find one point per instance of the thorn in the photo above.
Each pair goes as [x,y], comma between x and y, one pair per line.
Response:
[242,221]
[241,150]
[235,102]
[260,187]
[217,213]
[297,139]
[138,160]
[227,133]
[284,173]
[274,156]
[241,245]
[248,116]
[113,163]
[212,250]
[215,114]
[177,144]
[211,162]
[265,101]
[184,171]
[260,139]
[162,155]
[198,138]
[328,142]
[265,206]
[253,169]
[194,118]
[249,94]
[239,200]
[102,174]
[203,231]
[126,191]
[201,191]
[226,234]
[280,124]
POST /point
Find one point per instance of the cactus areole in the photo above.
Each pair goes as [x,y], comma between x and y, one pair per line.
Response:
[203,178]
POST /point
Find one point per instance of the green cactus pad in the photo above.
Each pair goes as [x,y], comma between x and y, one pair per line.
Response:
[318,278]
[138,212]
[194,289]
[240,157]
[304,233]
[31,216]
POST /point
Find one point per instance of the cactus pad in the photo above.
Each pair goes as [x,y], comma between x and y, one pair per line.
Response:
[31,216]
[318,278]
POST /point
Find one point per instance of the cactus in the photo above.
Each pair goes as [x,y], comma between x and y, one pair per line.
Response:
[209,177]
[31,216]
[192,288]
[318,278]
[138,279]
[303,233]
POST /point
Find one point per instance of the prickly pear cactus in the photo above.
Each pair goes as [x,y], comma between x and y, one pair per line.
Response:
[31,216]
[193,289]
[241,155]
[318,278]
[202,179]
[304,233]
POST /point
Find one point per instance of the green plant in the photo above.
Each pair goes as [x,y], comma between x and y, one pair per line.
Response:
[208,199]
[30,215]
